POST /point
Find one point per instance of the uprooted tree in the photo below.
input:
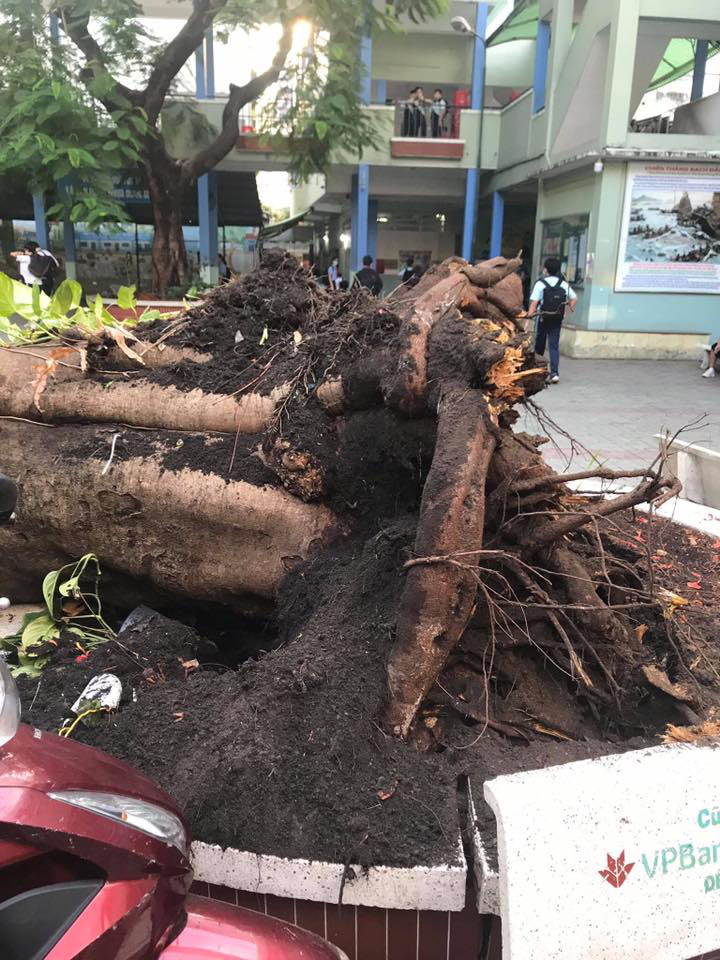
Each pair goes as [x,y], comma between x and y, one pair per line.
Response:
[89,105]
[208,455]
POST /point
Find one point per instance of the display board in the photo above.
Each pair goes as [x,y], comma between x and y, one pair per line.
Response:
[670,234]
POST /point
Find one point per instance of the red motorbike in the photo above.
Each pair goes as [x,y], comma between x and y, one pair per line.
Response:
[94,864]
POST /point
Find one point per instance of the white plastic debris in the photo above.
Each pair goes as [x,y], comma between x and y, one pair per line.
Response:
[102,693]
[239,337]
[4,603]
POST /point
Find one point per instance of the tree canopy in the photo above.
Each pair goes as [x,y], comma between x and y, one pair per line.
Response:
[79,108]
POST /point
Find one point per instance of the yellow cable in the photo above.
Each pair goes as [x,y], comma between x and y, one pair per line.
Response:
[66,731]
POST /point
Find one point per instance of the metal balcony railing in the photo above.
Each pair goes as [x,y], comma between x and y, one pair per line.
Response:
[426,120]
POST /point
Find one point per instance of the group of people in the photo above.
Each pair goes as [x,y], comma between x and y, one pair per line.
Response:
[368,276]
[417,109]
[37,265]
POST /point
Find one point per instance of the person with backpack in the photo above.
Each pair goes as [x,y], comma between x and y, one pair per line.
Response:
[368,277]
[552,294]
[42,266]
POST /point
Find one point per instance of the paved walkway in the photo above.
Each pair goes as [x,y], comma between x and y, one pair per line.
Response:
[614,408]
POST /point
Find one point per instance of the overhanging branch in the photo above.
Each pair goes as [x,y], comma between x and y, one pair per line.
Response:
[76,27]
[239,96]
[177,53]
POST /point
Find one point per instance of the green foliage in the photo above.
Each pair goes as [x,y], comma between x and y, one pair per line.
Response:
[55,134]
[73,615]
[28,316]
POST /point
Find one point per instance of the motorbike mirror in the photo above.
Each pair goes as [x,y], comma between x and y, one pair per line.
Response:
[9,705]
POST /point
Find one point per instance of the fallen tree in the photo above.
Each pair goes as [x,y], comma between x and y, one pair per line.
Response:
[296,421]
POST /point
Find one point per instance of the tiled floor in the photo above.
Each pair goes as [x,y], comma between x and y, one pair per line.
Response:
[615,407]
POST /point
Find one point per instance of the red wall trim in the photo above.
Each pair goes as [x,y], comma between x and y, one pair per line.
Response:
[429,149]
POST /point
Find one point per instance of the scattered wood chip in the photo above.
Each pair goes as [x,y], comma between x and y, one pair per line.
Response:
[671,602]
[385,794]
[640,630]
[661,681]
[675,734]
[190,665]
[178,717]
[119,337]
[549,732]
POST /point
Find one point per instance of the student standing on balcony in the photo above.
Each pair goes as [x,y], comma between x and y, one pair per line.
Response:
[414,122]
[552,293]
[438,113]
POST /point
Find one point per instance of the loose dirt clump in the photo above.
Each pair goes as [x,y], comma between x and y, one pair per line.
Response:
[270,327]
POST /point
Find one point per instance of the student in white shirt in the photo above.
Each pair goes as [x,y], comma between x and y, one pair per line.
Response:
[553,294]
[23,264]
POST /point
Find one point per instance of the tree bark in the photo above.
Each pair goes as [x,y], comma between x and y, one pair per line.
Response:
[437,600]
[186,532]
[166,186]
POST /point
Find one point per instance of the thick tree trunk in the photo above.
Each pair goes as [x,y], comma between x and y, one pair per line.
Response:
[166,186]
[186,532]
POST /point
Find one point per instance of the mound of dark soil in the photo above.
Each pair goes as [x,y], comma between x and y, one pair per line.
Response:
[285,755]
[270,327]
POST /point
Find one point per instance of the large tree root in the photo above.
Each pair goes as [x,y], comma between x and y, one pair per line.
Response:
[186,532]
[437,602]
[509,562]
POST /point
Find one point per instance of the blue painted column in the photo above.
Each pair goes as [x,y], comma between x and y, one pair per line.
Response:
[496,227]
[360,211]
[209,64]
[372,243]
[207,184]
[477,83]
[200,73]
[698,80]
[42,234]
[477,102]
[208,227]
[366,68]
[542,51]
[470,211]
[360,196]
[70,249]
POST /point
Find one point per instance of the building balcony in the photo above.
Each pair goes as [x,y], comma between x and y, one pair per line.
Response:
[189,124]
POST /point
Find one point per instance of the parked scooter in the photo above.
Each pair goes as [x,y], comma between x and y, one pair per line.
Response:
[94,863]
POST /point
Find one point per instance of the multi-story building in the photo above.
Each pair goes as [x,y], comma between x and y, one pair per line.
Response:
[549,144]
[584,129]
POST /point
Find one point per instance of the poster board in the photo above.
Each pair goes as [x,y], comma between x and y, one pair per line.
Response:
[670,233]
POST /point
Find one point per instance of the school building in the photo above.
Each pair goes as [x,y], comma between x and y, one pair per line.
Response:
[583,129]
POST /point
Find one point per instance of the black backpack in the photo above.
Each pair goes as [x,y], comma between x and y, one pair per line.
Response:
[41,265]
[554,300]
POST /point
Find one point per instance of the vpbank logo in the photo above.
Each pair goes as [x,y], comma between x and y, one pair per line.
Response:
[617,870]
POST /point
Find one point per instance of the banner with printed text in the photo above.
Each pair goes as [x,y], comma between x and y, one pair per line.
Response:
[670,235]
